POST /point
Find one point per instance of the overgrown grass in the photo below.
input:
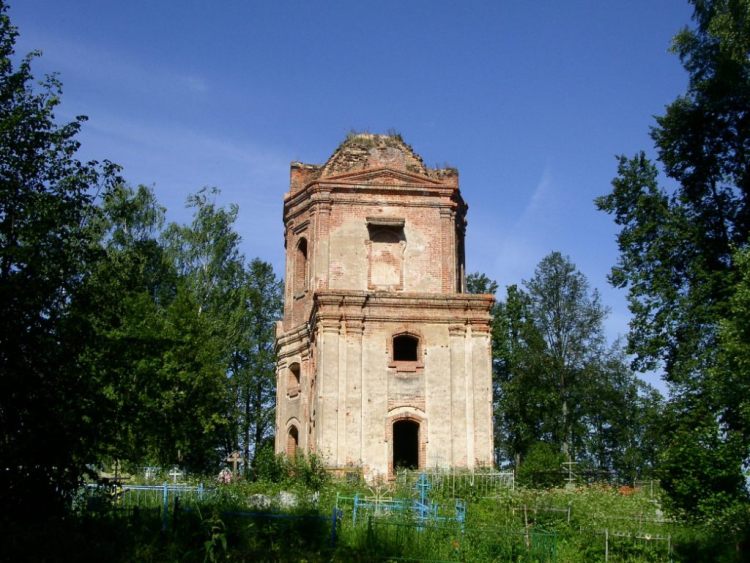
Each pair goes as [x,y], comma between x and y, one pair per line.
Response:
[228,525]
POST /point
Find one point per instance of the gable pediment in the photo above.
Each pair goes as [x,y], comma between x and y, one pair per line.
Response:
[382,176]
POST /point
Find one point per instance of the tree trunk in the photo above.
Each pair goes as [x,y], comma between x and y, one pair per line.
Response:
[566,430]
[258,417]
[246,434]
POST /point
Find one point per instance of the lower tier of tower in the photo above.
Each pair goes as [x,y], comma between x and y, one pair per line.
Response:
[382,381]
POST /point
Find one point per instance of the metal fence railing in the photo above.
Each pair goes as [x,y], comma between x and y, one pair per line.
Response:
[159,497]
[457,483]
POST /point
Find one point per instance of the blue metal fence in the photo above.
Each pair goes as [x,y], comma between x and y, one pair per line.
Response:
[422,509]
[153,496]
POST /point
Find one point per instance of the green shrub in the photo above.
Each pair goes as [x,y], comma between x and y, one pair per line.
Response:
[269,466]
[541,467]
[307,471]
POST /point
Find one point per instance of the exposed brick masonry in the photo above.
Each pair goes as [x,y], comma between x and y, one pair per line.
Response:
[374,243]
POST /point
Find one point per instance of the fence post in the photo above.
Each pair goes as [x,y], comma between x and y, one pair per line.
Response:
[334,522]
[175,510]
[164,507]
[526,526]
[606,544]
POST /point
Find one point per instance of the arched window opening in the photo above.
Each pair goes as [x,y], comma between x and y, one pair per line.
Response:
[300,266]
[293,380]
[405,444]
[292,441]
[405,348]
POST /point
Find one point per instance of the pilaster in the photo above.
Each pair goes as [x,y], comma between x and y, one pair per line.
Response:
[448,245]
[458,394]
[328,381]
[481,369]
[322,209]
[354,383]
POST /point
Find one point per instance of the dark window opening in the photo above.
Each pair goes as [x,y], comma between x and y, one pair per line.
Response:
[387,236]
[300,267]
[294,374]
[293,380]
[405,348]
[405,444]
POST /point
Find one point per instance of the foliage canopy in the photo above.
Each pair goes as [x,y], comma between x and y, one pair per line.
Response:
[123,339]
[560,393]
[679,258]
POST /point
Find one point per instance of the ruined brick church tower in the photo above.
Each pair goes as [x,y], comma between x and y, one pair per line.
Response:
[383,359]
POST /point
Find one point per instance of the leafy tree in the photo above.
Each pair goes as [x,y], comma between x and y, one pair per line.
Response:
[569,320]
[677,254]
[729,377]
[541,466]
[49,420]
[621,419]
[557,386]
[207,255]
[239,305]
[190,329]
[189,337]
[120,338]
[254,358]
[125,343]
[478,283]
[211,271]
[190,419]
[524,399]
[159,362]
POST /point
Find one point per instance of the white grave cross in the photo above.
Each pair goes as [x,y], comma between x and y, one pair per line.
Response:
[175,473]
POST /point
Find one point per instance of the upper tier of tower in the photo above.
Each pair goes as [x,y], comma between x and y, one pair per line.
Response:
[372,218]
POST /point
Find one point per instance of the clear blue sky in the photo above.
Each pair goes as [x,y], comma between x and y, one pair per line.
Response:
[529,100]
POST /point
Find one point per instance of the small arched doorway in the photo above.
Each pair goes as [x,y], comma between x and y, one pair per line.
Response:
[405,444]
[292,441]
